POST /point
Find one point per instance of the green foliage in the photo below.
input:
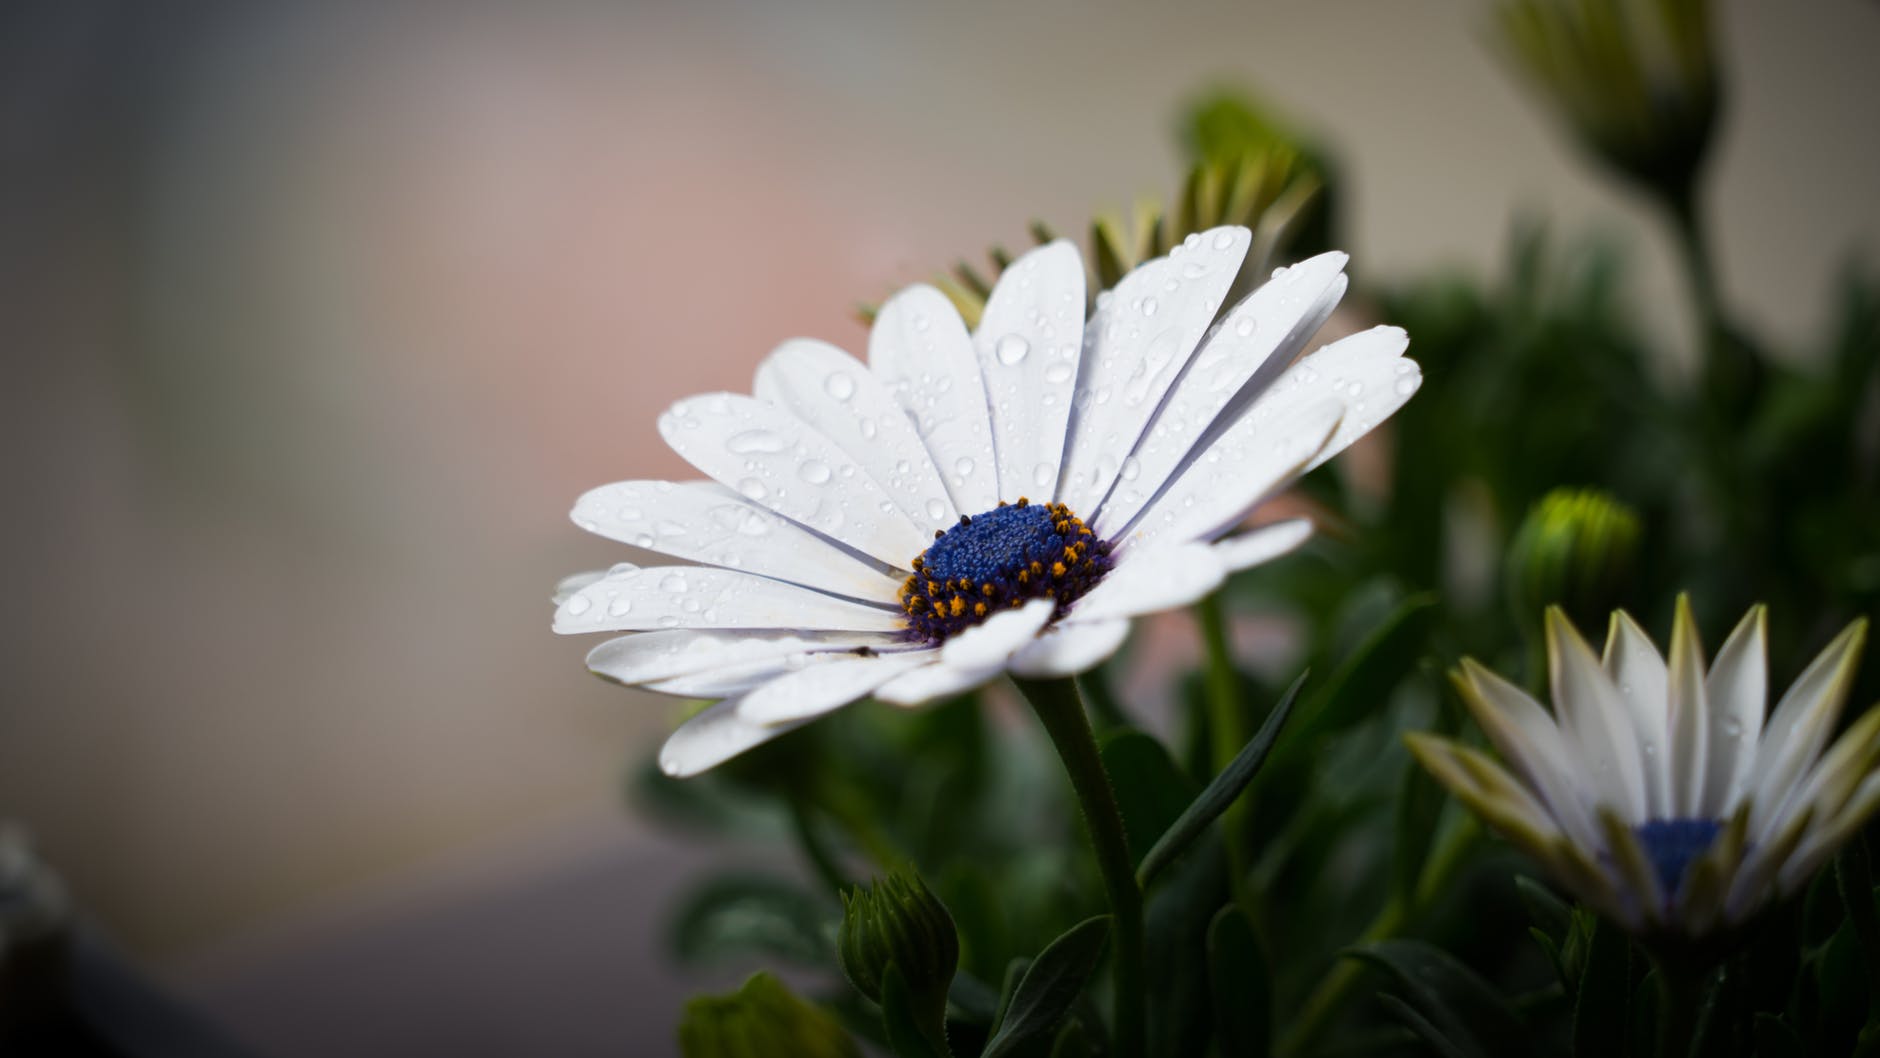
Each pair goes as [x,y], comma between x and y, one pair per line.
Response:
[760,1019]
[1049,986]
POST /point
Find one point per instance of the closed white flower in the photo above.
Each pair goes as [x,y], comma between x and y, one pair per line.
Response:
[966,504]
[1657,791]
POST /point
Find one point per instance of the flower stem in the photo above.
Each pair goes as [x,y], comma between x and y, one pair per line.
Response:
[1061,711]
[1228,730]
[1680,993]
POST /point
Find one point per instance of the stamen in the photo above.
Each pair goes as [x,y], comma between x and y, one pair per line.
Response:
[999,560]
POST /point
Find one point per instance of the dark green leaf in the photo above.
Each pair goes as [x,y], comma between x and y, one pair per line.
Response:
[1014,973]
[1776,1039]
[1547,912]
[1425,1030]
[1363,683]
[1051,984]
[897,1016]
[1222,791]
[1150,790]
[1242,986]
[1454,1004]
[741,915]
[1601,1006]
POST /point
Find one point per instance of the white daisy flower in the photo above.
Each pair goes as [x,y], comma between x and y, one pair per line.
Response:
[1656,791]
[966,504]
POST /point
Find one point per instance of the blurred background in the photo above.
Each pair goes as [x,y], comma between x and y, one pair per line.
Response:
[317,318]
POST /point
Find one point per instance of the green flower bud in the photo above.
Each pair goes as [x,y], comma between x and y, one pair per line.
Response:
[1636,81]
[760,1019]
[899,921]
[1576,549]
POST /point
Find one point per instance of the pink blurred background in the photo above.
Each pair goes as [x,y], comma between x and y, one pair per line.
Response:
[317,318]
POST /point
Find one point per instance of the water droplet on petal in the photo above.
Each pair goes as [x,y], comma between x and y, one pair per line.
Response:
[839,385]
[751,441]
[1058,372]
[672,582]
[1012,348]
[1245,327]
[579,605]
[964,467]
[620,607]
[1407,385]
[1131,468]
[936,510]
[1149,306]
[814,471]
[1223,239]
[1042,474]
[753,488]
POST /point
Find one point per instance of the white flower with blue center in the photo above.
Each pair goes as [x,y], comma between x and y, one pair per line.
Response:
[1657,791]
[971,503]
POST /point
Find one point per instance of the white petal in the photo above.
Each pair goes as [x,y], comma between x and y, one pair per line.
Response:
[1255,459]
[1689,717]
[938,680]
[700,597]
[1028,343]
[1236,362]
[703,521]
[714,736]
[1799,727]
[1367,369]
[1264,544]
[1824,839]
[734,679]
[989,643]
[1135,345]
[1738,689]
[920,350]
[574,582]
[1069,649]
[1151,579]
[828,389]
[1593,717]
[774,459]
[648,657]
[1637,670]
[1535,746]
[822,688]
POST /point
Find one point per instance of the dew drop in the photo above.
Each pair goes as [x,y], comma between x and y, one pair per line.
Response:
[579,605]
[814,471]
[629,514]
[669,621]
[670,528]
[753,488]
[1223,239]
[868,429]
[1132,467]
[672,582]
[936,510]
[1149,306]
[1406,386]
[1012,348]
[840,386]
[1059,372]
[752,441]
[619,607]
[964,466]
[1042,474]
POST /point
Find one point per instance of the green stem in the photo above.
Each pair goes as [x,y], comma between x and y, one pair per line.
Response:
[1680,993]
[1061,712]
[1229,730]
[1340,978]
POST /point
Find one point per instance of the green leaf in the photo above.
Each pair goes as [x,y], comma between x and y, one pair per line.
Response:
[761,1018]
[1220,793]
[1455,1010]
[1361,685]
[738,915]
[1775,1038]
[1051,984]
[1150,790]
[1601,1006]
[1547,912]
[1242,986]
[898,1017]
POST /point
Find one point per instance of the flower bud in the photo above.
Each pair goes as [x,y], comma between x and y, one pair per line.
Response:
[1577,550]
[760,1019]
[899,921]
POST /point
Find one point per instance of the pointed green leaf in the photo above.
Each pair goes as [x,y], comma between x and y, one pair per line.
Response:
[1053,982]
[1451,1002]
[1220,793]
[1242,987]
[737,915]
[1365,680]
[1601,1006]
[1150,790]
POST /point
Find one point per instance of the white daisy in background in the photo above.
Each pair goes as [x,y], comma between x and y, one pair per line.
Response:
[966,504]
[1656,791]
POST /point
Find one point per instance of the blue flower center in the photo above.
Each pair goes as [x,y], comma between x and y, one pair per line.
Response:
[1000,560]
[1671,845]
